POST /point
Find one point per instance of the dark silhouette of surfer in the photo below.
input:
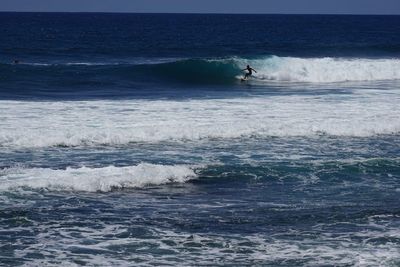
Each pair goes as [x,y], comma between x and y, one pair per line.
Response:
[249,72]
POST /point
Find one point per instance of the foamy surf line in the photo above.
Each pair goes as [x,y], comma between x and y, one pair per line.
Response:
[323,70]
[99,123]
[103,179]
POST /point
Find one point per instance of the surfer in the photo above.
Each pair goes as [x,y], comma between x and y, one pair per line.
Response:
[249,72]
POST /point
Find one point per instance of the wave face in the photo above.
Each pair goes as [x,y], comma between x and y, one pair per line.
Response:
[288,69]
[114,78]
[94,179]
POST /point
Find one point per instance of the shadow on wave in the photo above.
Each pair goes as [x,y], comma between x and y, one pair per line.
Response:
[187,71]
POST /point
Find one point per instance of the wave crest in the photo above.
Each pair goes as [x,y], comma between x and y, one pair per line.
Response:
[95,179]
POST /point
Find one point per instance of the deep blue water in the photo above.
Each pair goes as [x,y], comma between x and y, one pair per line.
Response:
[129,140]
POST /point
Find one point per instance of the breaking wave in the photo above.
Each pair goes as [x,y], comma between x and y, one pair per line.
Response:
[321,70]
[211,71]
[95,179]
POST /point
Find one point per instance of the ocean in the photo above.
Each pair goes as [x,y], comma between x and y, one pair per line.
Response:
[130,140]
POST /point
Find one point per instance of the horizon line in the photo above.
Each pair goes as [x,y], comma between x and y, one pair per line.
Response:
[200,13]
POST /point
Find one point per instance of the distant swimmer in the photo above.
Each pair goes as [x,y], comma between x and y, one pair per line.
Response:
[16,61]
[249,72]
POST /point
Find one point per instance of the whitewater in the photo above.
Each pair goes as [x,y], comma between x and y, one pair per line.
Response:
[82,123]
[324,70]
[130,140]
[303,140]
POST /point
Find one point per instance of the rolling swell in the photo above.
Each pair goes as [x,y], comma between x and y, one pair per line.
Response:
[74,75]
[195,71]
[67,77]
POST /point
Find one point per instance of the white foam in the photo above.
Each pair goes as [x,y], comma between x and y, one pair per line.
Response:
[131,61]
[183,249]
[87,123]
[95,179]
[323,70]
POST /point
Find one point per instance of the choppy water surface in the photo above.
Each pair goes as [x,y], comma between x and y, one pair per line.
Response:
[121,151]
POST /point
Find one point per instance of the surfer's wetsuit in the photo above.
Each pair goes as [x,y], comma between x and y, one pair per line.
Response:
[250,72]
